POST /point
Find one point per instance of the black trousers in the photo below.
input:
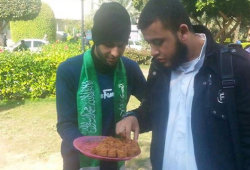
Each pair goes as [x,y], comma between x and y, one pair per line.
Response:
[108,165]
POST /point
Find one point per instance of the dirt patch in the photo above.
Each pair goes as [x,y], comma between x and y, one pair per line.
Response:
[29,140]
[20,162]
[10,160]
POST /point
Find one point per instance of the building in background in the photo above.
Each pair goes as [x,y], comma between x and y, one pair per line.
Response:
[70,10]
[135,33]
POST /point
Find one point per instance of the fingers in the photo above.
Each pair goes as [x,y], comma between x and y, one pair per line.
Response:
[128,132]
[124,133]
[136,134]
[120,129]
[123,130]
[125,126]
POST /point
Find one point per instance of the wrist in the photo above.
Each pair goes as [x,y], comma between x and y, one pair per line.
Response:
[130,113]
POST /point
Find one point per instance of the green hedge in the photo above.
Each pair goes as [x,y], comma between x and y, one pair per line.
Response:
[44,23]
[141,57]
[32,75]
[12,10]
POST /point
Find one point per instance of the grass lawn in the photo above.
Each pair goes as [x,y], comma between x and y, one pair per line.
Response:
[29,140]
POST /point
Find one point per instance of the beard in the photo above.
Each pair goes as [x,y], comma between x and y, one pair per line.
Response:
[103,58]
[180,56]
[100,56]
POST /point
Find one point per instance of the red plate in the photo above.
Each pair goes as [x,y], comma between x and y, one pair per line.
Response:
[86,143]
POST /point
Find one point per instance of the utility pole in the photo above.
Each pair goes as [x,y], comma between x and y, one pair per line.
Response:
[83,34]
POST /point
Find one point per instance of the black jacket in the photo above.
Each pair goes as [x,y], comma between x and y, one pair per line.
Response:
[213,145]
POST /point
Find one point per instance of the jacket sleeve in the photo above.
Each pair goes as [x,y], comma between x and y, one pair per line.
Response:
[138,82]
[67,124]
[243,109]
[144,111]
[143,114]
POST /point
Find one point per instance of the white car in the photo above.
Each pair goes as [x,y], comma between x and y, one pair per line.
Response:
[134,44]
[34,45]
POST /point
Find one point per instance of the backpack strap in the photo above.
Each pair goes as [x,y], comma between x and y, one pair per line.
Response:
[228,84]
[227,74]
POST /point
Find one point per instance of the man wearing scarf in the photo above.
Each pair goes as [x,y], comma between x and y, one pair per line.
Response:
[93,88]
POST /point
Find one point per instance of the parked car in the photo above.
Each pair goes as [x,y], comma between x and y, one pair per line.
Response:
[34,45]
[135,44]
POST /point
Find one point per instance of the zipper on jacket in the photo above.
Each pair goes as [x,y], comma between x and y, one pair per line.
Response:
[208,98]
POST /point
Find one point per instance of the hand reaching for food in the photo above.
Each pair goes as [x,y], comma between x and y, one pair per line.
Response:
[126,125]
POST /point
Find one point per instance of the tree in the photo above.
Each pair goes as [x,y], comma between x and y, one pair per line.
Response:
[223,17]
[139,4]
[71,26]
[88,22]
[44,23]
[12,10]
[227,15]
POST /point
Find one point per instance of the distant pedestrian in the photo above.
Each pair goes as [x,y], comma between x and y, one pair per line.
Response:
[23,46]
[74,39]
[64,37]
[4,40]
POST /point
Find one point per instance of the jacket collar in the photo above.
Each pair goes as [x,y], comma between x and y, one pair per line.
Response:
[210,48]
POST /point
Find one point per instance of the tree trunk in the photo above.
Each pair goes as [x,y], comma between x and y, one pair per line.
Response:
[3,25]
[195,19]
[248,35]
[236,34]
[236,25]
[236,29]
[223,29]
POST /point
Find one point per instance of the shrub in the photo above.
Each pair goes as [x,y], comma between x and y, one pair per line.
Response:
[44,23]
[12,10]
[141,57]
[32,75]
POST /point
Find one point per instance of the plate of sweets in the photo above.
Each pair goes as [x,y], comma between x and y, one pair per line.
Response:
[107,148]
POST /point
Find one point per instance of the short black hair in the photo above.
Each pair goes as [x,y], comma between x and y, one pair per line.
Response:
[170,12]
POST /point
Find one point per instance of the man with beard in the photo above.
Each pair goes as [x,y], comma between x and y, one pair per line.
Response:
[197,120]
[93,89]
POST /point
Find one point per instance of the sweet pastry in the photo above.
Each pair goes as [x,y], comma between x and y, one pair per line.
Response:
[116,148]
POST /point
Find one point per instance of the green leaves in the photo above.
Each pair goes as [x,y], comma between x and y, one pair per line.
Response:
[141,57]
[33,75]
[232,8]
[19,9]
[139,4]
[201,6]
[44,23]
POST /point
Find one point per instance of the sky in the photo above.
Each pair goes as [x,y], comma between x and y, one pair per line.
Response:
[70,9]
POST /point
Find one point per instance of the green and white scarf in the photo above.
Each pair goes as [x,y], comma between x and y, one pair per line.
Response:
[89,105]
